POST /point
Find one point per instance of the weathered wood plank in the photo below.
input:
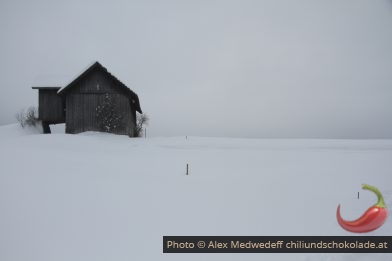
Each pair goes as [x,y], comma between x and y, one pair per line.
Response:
[77,104]
[50,107]
[84,98]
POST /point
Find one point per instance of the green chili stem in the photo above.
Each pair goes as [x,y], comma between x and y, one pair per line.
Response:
[380,202]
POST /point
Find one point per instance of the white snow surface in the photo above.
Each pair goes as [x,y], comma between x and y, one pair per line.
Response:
[99,196]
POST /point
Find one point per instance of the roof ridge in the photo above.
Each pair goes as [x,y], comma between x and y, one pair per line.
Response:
[95,65]
[92,64]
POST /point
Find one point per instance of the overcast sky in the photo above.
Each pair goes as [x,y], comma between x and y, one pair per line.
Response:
[317,69]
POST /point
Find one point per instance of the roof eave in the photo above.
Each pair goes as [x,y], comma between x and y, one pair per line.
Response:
[46,88]
[138,108]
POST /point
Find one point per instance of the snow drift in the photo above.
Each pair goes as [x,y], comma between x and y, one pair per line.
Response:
[107,197]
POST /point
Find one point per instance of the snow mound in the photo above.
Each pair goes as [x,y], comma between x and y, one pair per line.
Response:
[15,130]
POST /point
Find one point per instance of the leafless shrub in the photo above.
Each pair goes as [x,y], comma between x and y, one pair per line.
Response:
[27,117]
[141,121]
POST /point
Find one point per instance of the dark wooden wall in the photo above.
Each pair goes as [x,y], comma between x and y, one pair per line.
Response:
[50,107]
[83,99]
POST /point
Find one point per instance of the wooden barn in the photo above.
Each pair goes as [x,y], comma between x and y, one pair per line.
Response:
[93,101]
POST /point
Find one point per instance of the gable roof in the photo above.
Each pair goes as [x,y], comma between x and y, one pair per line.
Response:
[133,96]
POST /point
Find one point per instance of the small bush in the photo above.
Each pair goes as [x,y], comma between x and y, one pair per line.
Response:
[141,120]
[27,117]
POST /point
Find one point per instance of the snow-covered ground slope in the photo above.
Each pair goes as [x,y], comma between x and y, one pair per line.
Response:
[106,197]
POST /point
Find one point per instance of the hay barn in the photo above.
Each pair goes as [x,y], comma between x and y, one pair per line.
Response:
[93,101]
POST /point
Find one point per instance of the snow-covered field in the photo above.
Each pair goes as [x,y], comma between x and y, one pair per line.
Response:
[106,197]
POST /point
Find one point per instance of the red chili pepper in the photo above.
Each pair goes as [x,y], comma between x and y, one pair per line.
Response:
[372,219]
